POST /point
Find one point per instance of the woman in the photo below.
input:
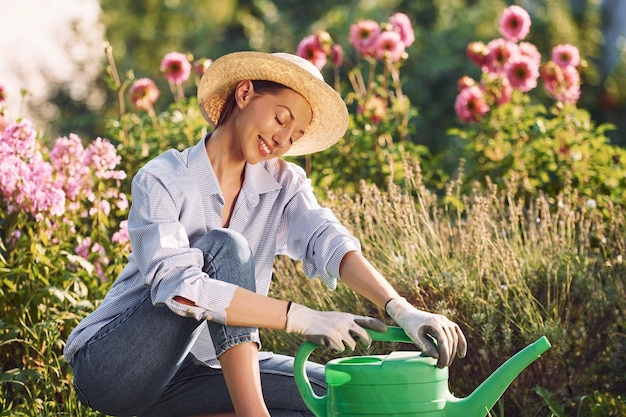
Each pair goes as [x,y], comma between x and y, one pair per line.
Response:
[177,334]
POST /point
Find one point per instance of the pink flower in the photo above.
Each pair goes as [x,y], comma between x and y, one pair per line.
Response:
[566,55]
[121,236]
[375,108]
[176,67]
[72,175]
[336,52]
[401,23]
[144,93]
[363,36]
[470,104]
[477,52]
[102,157]
[530,50]
[389,47]
[465,82]
[522,72]
[310,49]
[562,83]
[26,180]
[202,65]
[514,23]
[500,52]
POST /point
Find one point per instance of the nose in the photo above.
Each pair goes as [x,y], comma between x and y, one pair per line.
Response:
[283,137]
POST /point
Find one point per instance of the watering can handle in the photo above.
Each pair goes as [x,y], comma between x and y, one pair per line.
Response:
[316,403]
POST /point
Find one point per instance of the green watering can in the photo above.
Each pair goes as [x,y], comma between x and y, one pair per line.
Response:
[402,383]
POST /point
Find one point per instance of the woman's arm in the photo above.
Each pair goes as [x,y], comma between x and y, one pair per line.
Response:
[420,326]
[360,275]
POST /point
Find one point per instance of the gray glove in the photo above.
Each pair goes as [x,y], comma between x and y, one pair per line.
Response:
[421,326]
[331,328]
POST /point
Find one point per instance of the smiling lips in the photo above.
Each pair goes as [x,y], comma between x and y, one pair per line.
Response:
[263,146]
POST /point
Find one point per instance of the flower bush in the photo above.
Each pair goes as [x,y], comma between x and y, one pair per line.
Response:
[380,128]
[513,138]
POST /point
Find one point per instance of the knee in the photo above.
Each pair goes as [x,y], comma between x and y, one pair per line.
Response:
[229,252]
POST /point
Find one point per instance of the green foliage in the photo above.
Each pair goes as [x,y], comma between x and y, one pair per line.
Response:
[544,150]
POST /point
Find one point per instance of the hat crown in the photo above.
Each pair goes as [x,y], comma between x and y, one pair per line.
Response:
[302,63]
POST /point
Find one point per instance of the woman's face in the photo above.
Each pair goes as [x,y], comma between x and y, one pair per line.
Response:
[267,124]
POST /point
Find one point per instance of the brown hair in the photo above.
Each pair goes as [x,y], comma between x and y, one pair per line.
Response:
[260,86]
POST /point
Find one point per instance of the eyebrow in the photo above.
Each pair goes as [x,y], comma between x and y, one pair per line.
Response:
[291,115]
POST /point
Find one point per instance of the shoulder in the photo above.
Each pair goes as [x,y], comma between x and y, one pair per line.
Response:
[288,174]
[167,168]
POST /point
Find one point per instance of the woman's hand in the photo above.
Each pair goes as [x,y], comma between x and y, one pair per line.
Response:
[421,326]
[330,328]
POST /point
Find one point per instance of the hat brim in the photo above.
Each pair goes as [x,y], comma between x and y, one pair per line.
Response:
[330,115]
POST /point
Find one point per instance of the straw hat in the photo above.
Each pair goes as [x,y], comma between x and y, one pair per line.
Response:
[330,115]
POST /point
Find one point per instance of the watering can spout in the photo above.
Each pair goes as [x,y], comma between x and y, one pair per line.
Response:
[478,403]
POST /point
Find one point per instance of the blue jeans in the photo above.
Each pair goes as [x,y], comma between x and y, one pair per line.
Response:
[139,363]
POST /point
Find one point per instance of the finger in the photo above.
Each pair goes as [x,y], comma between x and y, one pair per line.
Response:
[325,340]
[360,334]
[462,349]
[425,343]
[371,323]
[452,341]
[443,345]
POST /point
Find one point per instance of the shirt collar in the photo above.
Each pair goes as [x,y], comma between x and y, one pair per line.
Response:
[257,179]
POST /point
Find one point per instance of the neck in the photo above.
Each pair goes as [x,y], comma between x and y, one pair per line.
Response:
[228,167]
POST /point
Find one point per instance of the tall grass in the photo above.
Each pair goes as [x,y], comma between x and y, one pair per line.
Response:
[508,269]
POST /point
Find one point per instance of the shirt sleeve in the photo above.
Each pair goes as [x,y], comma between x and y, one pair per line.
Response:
[167,263]
[316,236]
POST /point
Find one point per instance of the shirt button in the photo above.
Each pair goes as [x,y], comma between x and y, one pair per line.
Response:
[209,317]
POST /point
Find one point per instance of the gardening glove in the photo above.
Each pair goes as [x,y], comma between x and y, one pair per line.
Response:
[436,335]
[330,328]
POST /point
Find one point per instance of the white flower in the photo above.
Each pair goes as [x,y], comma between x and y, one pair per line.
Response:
[591,203]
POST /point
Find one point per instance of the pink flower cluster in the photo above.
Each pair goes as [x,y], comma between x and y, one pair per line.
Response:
[387,42]
[40,188]
[176,68]
[509,64]
[26,180]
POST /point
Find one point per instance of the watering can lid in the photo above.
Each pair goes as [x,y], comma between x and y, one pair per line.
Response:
[406,366]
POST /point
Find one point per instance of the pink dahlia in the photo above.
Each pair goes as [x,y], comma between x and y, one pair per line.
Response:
[310,49]
[465,82]
[144,93]
[363,36]
[566,55]
[176,67]
[514,23]
[389,47]
[522,72]
[530,50]
[562,83]
[470,104]
[477,52]
[501,52]
[336,53]
[202,65]
[401,23]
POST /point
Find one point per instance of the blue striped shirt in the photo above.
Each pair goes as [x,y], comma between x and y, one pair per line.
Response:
[176,200]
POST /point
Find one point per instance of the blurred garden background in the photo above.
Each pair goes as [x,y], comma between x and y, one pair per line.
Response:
[487,188]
